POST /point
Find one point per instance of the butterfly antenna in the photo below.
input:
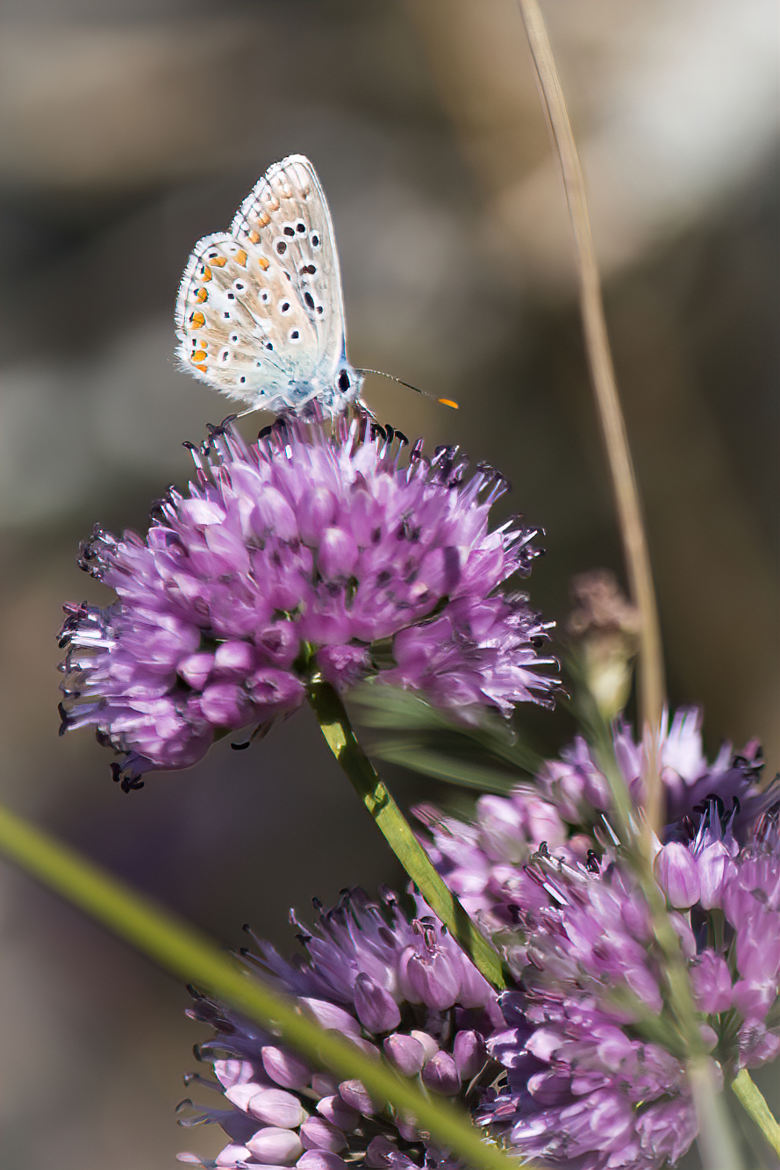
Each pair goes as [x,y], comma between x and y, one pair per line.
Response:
[453,405]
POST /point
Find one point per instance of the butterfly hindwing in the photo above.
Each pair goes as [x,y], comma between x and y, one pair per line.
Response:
[259,314]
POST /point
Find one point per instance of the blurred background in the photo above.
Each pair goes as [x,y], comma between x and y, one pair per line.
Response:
[128,129]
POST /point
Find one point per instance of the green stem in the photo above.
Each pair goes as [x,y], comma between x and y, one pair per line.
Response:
[752,1101]
[340,738]
[190,956]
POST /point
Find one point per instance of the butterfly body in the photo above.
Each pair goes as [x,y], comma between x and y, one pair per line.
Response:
[260,315]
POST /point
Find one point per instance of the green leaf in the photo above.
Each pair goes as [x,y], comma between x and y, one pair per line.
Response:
[488,756]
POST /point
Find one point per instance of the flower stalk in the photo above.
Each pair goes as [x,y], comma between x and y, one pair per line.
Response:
[341,739]
[191,956]
[624,486]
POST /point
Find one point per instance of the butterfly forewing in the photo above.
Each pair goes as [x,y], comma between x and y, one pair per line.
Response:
[259,314]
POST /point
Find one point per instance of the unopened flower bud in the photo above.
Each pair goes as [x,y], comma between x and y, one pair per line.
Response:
[441,1074]
[354,1094]
[406,1053]
[319,1134]
[275,1147]
[678,875]
[284,1068]
[274,1106]
[377,1010]
[469,1053]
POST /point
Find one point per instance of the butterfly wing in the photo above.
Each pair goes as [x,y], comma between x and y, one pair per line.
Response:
[260,312]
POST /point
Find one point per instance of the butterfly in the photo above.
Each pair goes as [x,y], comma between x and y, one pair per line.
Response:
[260,312]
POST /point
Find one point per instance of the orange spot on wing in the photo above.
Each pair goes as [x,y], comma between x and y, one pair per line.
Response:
[197,320]
[199,356]
[206,274]
[254,237]
[241,257]
[201,295]
[220,262]
[264,264]
[203,369]
[263,220]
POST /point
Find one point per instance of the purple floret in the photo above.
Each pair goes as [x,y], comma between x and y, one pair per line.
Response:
[324,550]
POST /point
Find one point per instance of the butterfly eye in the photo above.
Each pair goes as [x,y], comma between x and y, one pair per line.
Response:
[343,381]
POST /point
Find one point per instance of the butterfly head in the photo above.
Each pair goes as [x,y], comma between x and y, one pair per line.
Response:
[348,383]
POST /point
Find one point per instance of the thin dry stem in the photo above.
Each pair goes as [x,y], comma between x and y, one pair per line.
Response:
[624,487]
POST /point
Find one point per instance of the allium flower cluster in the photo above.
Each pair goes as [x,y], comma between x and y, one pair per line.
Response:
[393,985]
[319,551]
[595,1074]
[483,860]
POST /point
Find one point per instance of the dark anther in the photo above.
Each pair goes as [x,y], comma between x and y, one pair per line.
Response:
[592,863]
[402,439]
[126,783]
[240,747]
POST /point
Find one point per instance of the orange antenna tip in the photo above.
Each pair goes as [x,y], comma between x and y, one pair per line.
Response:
[453,405]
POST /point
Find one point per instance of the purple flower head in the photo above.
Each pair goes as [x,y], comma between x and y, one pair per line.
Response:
[483,860]
[320,551]
[595,1069]
[394,985]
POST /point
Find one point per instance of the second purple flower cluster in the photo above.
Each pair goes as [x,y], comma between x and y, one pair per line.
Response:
[579,1063]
